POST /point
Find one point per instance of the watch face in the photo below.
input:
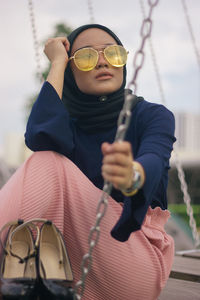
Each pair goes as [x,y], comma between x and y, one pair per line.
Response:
[136,183]
[136,180]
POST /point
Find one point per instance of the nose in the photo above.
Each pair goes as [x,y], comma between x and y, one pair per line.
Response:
[102,62]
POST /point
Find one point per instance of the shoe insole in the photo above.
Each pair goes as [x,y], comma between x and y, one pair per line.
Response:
[13,268]
[49,256]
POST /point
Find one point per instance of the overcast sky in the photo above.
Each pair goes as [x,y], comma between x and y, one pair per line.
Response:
[174,51]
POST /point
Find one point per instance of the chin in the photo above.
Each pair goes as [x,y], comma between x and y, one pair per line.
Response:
[104,90]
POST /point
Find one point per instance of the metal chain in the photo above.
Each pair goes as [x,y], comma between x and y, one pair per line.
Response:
[145,33]
[187,200]
[35,40]
[181,176]
[155,64]
[91,11]
[189,24]
[122,126]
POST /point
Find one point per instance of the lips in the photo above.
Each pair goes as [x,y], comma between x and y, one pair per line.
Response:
[104,75]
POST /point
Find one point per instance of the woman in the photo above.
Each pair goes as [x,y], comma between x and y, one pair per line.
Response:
[71,129]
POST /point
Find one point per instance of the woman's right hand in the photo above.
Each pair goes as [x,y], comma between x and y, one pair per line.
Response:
[56,50]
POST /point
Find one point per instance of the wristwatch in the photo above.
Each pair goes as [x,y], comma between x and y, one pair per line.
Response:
[135,185]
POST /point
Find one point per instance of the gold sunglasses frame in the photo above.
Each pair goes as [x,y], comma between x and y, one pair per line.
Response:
[98,51]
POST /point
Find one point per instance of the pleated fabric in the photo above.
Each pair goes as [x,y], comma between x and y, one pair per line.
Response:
[48,185]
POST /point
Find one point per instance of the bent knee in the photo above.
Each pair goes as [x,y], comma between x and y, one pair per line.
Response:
[48,158]
[45,156]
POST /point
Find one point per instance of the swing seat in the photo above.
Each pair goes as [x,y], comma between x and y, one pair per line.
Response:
[184,281]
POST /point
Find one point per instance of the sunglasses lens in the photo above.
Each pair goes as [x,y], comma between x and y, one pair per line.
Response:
[116,55]
[86,59]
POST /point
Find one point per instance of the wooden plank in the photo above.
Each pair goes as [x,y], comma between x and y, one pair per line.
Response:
[186,268]
[176,289]
[190,253]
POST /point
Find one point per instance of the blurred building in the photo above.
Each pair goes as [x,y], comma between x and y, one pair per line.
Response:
[187,148]
[5,172]
[188,138]
[12,155]
[13,149]
[187,132]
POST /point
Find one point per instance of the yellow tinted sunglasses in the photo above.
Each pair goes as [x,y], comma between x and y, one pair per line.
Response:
[86,59]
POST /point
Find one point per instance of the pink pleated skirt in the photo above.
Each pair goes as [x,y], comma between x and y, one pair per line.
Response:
[48,185]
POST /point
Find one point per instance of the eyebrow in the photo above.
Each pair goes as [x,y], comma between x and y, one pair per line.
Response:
[90,46]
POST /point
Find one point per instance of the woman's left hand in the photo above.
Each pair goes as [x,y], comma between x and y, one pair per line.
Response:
[117,165]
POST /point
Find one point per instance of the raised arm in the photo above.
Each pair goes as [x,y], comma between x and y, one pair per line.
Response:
[56,51]
[48,126]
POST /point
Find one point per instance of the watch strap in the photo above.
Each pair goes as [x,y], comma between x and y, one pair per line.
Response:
[135,185]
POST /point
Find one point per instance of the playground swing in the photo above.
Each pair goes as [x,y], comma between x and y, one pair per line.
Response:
[123,123]
[181,175]
[184,278]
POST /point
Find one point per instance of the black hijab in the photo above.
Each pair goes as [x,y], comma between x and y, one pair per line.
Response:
[92,113]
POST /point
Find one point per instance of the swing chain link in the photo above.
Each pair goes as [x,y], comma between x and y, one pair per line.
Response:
[145,33]
[154,60]
[187,200]
[181,176]
[35,40]
[122,126]
[93,240]
[191,32]
[91,11]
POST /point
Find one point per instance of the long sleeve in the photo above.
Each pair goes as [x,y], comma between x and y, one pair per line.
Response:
[49,127]
[154,128]
[157,138]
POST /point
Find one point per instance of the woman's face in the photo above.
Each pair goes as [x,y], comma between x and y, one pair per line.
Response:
[104,78]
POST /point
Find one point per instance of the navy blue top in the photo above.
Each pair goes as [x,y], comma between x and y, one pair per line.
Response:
[151,134]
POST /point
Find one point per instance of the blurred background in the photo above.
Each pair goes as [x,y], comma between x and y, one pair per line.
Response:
[170,75]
